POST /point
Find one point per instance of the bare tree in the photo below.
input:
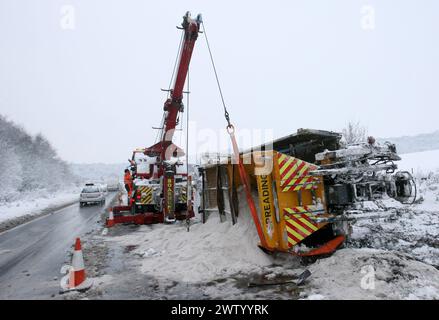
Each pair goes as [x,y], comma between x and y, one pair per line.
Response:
[354,133]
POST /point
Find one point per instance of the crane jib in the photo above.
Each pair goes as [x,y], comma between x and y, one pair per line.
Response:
[174,105]
[191,28]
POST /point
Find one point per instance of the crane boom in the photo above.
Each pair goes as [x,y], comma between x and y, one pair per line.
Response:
[164,149]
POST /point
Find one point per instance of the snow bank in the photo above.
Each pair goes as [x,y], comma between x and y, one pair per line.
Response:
[209,250]
[371,274]
[35,203]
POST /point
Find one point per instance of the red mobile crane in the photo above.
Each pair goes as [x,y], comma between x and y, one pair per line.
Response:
[154,198]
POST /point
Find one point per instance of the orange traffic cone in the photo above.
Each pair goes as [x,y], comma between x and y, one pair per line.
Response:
[77,278]
[110,220]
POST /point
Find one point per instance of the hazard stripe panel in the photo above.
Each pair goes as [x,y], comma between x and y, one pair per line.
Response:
[294,173]
[303,183]
[183,195]
[147,196]
[299,223]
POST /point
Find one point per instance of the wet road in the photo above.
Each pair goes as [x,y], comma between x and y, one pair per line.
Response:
[32,254]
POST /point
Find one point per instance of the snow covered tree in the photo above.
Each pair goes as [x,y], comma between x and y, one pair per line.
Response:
[354,133]
[10,172]
[28,163]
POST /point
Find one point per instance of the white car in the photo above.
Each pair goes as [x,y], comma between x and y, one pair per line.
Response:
[113,186]
[92,194]
[104,188]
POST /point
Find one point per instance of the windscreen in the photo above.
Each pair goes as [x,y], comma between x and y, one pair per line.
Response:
[90,189]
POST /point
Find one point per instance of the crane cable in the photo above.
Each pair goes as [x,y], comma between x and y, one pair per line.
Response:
[188,186]
[226,113]
[243,174]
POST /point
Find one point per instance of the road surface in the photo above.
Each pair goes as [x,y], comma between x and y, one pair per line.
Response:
[32,254]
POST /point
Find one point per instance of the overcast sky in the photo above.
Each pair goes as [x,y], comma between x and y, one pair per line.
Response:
[91,85]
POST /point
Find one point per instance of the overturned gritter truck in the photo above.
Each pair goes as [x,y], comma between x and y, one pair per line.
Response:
[308,187]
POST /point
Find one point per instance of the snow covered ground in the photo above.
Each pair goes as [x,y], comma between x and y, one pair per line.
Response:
[414,229]
[371,274]
[35,203]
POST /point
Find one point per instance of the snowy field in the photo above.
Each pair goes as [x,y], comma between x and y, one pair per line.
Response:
[420,163]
